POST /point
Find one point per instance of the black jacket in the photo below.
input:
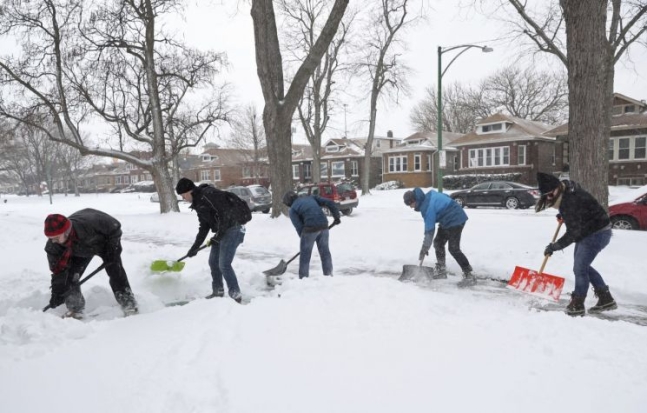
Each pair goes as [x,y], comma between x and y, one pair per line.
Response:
[582,214]
[96,233]
[214,212]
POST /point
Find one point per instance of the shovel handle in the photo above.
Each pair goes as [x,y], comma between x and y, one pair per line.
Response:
[543,265]
[187,256]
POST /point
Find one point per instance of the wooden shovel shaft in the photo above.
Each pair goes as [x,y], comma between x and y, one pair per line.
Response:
[559,226]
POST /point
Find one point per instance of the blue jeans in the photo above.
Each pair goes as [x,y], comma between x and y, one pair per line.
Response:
[308,240]
[585,252]
[220,259]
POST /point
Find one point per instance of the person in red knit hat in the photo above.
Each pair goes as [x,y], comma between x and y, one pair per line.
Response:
[71,244]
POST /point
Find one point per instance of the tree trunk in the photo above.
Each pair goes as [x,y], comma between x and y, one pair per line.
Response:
[590,87]
[368,150]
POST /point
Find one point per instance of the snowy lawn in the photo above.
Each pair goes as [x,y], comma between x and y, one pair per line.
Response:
[358,342]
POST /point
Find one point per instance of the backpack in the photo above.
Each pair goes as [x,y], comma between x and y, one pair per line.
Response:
[239,210]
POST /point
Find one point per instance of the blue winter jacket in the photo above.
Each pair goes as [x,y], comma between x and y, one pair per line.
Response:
[436,207]
[306,213]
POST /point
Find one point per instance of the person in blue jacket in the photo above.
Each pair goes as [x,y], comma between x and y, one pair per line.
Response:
[312,226]
[436,207]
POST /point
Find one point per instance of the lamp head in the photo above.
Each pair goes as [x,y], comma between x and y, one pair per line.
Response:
[486,49]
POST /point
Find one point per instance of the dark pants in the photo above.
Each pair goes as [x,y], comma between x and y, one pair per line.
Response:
[220,259]
[118,282]
[585,252]
[453,236]
[308,240]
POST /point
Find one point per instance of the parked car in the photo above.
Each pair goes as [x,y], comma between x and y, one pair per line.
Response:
[258,198]
[511,195]
[343,195]
[630,215]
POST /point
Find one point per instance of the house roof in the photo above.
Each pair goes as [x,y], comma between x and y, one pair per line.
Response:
[619,98]
[520,129]
[620,122]
[428,141]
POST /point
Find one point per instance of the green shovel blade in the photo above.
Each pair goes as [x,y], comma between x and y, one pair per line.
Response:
[163,265]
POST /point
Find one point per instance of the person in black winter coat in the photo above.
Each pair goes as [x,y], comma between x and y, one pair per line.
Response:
[588,226]
[72,243]
[312,226]
[215,213]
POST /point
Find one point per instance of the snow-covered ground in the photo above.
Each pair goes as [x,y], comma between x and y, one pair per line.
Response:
[358,342]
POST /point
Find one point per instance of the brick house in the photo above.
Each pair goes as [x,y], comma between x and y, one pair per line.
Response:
[627,144]
[413,161]
[341,159]
[507,144]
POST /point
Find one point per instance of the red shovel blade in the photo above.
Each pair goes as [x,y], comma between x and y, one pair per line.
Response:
[533,283]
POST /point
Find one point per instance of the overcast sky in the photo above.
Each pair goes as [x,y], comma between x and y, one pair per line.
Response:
[222,29]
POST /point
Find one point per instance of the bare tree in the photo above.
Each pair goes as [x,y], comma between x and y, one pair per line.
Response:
[279,105]
[249,137]
[597,33]
[381,63]
[525,93]
[112,63]
[304,19]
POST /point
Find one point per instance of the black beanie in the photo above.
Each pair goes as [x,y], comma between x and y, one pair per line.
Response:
[546,182]
[184,185]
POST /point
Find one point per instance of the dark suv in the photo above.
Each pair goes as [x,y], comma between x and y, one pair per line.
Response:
[341,194]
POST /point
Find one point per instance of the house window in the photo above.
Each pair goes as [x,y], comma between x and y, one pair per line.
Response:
[623,148]
[337,169]
[216,175]
[133,179]
[521,155]
[489,157]
[429,162]
[611,151]
[491,128]
[307,171]
[205,175]
[639,147]
[295,171]
[456,160]
[331,149]
[398,163]
[630,109]
[354,168]
[377,143]
[324,170]
[118,180]
[247,172]
[417,162]
[553,157]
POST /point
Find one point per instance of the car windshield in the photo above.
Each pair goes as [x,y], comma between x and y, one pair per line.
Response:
[259,190]
[344,188]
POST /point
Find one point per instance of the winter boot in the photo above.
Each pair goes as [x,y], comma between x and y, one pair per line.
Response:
[605,301]
[237,296]
[127,302]
[77,315]
[576,306]
[216,294]
[468,280]
[440,271]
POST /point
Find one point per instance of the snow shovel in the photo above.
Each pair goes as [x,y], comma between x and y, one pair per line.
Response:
[539,283]
[283,266]
[92,274]
[414,271]
[163,265]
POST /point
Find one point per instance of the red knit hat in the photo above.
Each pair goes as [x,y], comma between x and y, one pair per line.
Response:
[56,224]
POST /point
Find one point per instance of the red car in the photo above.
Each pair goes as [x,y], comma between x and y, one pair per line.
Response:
[341,194]
[630,215]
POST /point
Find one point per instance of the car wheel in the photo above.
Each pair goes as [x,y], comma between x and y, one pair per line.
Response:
[266,211]
[623,222]
[460,201]
[347,211]
[512,203]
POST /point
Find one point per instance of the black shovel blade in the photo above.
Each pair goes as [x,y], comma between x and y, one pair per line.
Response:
[278,270]
[410,272]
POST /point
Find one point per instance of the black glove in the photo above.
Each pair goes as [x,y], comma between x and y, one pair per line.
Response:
[550,248]
[59,288]
[423,252]
[193,251]
[337,221]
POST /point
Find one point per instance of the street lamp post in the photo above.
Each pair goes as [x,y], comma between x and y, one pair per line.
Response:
[441,73]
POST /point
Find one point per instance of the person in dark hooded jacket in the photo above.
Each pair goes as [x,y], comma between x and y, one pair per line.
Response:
[589,227]
[312,226]
[438,208]
[215,214]
[72,243]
